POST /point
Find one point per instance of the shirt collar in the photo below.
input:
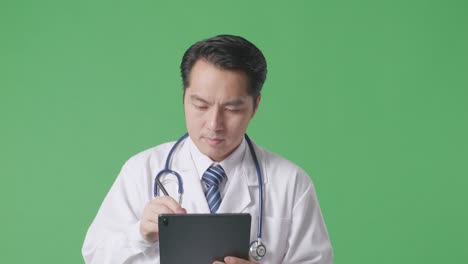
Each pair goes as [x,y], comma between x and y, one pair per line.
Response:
[229,164]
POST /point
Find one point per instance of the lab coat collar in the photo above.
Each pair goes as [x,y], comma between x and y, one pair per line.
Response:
[203,162]
[250,171]
[241,156]
[181,159]
[193,199]
[200,160]
[237,196]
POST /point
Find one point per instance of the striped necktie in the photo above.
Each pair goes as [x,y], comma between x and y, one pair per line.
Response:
[212,177]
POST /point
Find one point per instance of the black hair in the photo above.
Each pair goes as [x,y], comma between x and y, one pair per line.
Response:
[228,52]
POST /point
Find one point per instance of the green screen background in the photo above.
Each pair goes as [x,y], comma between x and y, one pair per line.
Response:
[369,97]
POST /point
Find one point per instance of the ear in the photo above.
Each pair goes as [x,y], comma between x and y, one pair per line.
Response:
[256,104]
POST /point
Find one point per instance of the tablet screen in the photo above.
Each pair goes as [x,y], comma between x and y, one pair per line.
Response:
[203,238]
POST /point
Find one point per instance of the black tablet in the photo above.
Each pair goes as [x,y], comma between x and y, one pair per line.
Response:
[203,238]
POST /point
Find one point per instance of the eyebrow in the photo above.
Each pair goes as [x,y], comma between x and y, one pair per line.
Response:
[198,98]
[233,102]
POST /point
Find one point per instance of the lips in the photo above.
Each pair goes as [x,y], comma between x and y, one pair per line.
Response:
[214,141]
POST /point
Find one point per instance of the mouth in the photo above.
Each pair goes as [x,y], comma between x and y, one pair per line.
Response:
[213,141]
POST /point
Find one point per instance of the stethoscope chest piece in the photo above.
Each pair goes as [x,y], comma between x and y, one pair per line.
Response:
[257,250]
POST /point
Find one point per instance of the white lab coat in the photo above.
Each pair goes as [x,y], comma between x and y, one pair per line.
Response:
[293,227]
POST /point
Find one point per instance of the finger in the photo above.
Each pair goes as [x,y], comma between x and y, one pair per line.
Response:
[152,212]
[234,260]
[170,203]
[150,226]
[252,260]
[159,209]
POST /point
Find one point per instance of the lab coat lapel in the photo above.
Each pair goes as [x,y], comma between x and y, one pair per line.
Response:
[193,200]
[244,185]
[237,196]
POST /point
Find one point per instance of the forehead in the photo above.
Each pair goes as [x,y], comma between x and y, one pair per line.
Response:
[208,79]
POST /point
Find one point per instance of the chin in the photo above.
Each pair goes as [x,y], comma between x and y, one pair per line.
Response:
[214,154]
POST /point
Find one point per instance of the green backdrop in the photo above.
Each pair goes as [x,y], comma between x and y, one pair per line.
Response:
[369,97]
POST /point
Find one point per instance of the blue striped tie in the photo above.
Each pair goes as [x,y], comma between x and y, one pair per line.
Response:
[212,177]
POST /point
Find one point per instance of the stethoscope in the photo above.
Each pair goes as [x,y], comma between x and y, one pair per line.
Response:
[257,248]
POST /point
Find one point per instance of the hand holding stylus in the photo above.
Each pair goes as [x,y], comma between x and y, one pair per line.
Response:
[149,220]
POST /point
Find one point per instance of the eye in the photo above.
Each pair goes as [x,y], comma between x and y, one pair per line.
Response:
[201,107]
[233,110]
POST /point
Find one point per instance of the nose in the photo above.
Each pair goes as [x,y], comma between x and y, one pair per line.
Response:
[215,120]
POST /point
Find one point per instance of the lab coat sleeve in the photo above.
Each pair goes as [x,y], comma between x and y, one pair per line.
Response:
[114,235]
[308,241]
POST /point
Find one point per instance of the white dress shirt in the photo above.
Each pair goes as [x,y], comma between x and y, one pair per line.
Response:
[293,227]
[203,162]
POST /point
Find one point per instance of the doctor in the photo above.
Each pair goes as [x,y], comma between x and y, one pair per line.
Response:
[222,78]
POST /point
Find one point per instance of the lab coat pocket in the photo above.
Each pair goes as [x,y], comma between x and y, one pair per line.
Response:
[274,235]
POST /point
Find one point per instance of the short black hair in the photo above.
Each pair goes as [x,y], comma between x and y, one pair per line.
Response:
[228,52]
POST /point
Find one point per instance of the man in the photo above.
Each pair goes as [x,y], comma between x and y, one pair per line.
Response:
[222,78]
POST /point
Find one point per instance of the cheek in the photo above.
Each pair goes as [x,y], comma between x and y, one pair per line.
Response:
[193,120]
[238,124]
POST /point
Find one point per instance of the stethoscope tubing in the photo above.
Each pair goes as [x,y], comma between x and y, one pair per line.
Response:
[260,186]
[157,182]
[166,170]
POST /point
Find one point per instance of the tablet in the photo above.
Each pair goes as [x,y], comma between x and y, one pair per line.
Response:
[203,238]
